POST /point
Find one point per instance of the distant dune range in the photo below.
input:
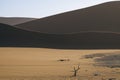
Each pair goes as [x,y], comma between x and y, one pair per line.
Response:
[14,20]
[102,17]
[96,27]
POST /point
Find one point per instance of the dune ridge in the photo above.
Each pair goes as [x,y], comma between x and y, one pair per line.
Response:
[102,17]
[15,20]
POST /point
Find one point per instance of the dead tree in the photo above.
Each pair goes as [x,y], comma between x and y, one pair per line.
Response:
[76,70]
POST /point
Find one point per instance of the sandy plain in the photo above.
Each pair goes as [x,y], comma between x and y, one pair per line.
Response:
[58,64]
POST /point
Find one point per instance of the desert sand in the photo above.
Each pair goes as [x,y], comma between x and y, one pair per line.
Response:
[58,64]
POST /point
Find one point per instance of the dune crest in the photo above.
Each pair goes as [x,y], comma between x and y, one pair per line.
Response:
[14,20]
[102,17]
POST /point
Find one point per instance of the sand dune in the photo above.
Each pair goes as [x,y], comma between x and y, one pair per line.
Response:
[14,20]
[103,17]
[15,37]
[12,36]
[93,27]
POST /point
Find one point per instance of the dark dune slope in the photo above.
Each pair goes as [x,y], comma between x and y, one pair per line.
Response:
[14,20]
[11,36]
[14,37]
[103,17]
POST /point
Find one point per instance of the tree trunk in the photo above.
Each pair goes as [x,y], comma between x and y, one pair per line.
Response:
[75,73]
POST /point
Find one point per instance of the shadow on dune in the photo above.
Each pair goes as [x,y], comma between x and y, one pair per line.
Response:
[15,37]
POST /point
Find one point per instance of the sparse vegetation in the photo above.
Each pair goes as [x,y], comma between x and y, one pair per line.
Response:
[96,74]
[94,55]
[62,60]
[112,61]
[76,69]
[112,79]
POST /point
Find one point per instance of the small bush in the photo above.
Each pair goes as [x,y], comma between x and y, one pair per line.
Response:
[62,60]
